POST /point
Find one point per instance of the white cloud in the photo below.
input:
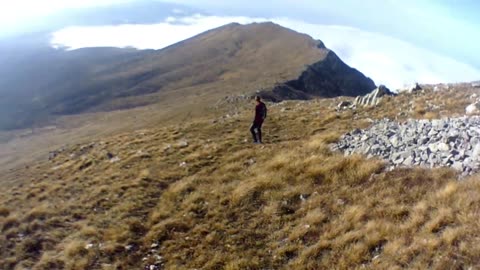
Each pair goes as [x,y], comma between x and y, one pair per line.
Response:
[385,59]
[154,36]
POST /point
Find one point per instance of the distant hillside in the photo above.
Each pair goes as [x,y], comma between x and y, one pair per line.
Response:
[233,59]
[38,83]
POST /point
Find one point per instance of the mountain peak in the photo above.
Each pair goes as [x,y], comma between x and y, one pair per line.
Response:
[229,60]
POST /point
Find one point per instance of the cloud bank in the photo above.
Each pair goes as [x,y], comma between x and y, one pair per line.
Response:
[386,60]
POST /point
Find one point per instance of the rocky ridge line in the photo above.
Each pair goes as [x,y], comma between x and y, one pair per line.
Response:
[327,78]
[451,142]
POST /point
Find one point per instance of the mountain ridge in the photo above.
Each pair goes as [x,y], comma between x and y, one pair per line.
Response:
[321,79]
[232,59]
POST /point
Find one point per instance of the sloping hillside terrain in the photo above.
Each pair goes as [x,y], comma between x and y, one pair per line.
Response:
[199,195]
[38,83]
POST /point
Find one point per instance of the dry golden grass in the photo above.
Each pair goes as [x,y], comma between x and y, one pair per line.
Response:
[222,203]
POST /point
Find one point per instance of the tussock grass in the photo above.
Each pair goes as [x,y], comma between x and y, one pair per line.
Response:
[10,222]
[4,212]
[40,212]
[223,203]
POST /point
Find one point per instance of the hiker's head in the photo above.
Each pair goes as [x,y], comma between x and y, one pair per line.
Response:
[258,98]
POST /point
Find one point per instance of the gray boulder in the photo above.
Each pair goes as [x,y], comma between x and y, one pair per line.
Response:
[414,88]
[344,105]
[450,142]
[373,98]
[473,108]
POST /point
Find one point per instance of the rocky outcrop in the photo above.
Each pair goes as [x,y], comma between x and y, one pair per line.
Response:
[374,97]
[343,105]
[473,108]
[451,142]
[330,77]
[414,88]
[283,92]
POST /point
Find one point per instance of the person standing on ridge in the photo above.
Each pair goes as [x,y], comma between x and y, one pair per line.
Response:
[260,115]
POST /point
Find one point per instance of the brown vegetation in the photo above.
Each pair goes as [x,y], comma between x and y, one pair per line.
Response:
[212,200]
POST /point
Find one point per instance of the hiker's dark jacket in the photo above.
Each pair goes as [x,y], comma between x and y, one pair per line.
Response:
[260,112]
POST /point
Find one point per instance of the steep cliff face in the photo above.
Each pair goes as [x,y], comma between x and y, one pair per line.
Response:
[330,77]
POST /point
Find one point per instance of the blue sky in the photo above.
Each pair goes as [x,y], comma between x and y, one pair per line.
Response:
[395,42]
[447,26]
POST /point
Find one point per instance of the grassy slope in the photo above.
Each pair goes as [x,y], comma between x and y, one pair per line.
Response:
[193,76]
[290,203]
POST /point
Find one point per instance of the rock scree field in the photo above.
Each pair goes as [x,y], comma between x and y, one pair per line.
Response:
[200,195]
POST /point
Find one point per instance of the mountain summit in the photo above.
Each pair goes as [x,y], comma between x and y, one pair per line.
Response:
[230,60]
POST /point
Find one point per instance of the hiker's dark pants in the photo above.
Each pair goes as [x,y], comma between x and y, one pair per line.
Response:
[256,130]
